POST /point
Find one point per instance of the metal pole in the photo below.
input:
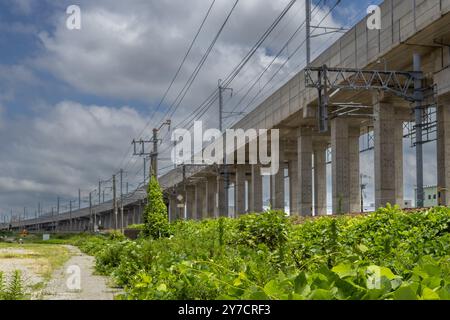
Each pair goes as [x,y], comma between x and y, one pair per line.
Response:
[362,187]
[419,143]
[121,218]
[115,202]
[154,162]
[121,199]
[226,177]
[145,168]
[99,191]
[90,210]
[70,215]
[79,199]
[308,31]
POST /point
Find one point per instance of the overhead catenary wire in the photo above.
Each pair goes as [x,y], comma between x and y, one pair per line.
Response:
[200,111]
[175,77]
[289,57]
[238,68]
[183,92]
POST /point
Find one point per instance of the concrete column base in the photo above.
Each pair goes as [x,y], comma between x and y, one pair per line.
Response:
[320,178]
[239,190]
[388,158]
[345,166]
[304,145]
[293,187]
[256,197]
[443,153]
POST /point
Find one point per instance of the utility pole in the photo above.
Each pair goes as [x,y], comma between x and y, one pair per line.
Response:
[121,200]
[362,188]
[145,170]
[154,153]
[95,220]
[79,199]
[418,111]
[70,215]
[90,209]
[221,128]
[115,202]
[57,214]
[308,31]
[99,191]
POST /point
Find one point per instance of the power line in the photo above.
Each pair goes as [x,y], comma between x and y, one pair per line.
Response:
[182,94]
[176,74]
[289,57]
[197,70]
[208,102]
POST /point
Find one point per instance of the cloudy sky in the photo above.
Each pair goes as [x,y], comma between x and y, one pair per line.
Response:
[71,101]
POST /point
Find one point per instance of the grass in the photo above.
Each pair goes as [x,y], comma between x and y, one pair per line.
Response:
[46,257]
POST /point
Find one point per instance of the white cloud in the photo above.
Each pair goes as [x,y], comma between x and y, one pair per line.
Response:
[132,51]
[68,147]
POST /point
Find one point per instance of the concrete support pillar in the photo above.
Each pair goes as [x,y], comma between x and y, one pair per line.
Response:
[211,189]
[255,190]
[345,167]
[173,202]
[239,190]
[304,172]
[443,153]
[200,191]
[277,184]
[388,135]
[293,187]
[320,178]
[221,205]
[190,202]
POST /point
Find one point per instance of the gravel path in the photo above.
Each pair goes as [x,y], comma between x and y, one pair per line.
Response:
[93,287]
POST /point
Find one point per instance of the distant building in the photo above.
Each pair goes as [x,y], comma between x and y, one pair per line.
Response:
[430,196]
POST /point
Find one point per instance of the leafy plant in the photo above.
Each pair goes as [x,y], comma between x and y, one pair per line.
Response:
[386,255]
[14,289]
[155,214]
[269,228]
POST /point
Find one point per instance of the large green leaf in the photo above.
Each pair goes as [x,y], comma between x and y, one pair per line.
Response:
[344,270]
[405,293]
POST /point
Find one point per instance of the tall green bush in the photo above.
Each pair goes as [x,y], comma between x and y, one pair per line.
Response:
[155,215]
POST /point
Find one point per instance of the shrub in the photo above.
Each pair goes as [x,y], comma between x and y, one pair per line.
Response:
[269,228]
[139,227]
[386,255]
[155,215]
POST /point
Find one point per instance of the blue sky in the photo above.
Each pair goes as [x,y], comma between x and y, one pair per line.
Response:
[72,101]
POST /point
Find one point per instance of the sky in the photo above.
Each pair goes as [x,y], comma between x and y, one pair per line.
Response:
[71,101]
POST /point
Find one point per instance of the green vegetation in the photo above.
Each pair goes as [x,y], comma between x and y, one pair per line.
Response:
[13,290]
[155,214]
[386,255]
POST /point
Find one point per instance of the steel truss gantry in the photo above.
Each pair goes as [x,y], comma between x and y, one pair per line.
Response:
[408,85]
